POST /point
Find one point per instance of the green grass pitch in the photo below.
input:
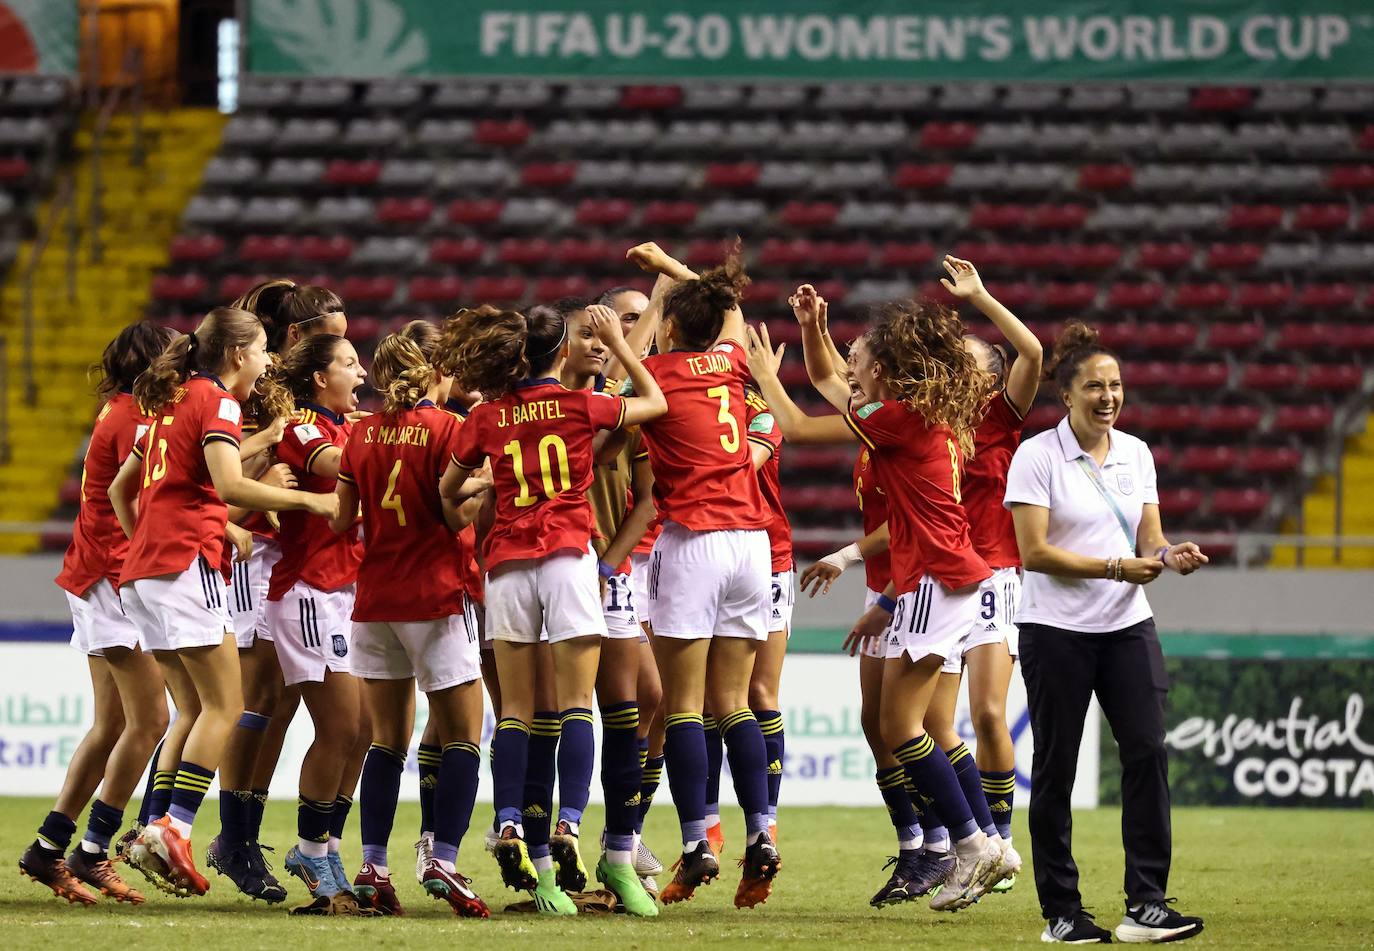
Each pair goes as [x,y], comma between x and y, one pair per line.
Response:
[1262,878]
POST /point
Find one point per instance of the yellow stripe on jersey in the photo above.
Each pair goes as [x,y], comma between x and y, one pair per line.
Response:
[849,421]
[315,454]
[760,441]
[218,437]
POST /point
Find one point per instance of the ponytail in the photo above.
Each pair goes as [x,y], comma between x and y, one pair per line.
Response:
[401,373]
[697,307]
[128,355]
[206,350]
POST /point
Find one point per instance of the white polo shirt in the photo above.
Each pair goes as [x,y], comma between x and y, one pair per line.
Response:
[1046,471]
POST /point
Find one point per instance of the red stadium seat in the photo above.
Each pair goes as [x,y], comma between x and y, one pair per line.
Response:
[1042,417]
[330,250]
[1254,217]
[822,498]
[1366,222]
[1222,98]
[835,291]
[179,287]
[504,133]
[900,255]
[1303,336]
[732,174]
[804,215]
[504,290]
[1212,296]
[1270,459]
[782,253]
[1303,419]
[1160,418]
[1163,456]
[999,217]
[818,457]
[475,211]
[1242,336]
[1263,297]
[1351,177]
[603,212]
[1150,375]
[405,210]
[705,253]
[196,247]
[346,173]
[1212,375]
[1240,503]
[1367,139]
[921,177]
[1075,296]
[1103,178]
[556,288]
[1207,459]
[364,328]
[771,293]
[1017,295]
[1164,257]
[587,252]
[524,252]
[1122,296]
[1353,337]
[842,255]
[233,286]
[1332,378]
[1172,337]
[355,288]
[548,174]
[1269,376]
[650,97]
[1058,217]
[456,250]
[13,168]
[1321,217]
[1234,256]
[948,136]
[1230,419]
[267,248]
[669,214]
[1179,502]
[447,289]
[1325,297]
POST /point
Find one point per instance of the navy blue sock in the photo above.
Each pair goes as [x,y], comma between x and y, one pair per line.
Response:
[460,763]
[971,782]
[933,775]
[748,767]
[770,723]
[999,788]
[621,773]
[342,806]
[932,826]
[255,812]
[380,788]
[509,755]
[160,799]
[147,803]
[428,757]
[541,768]
[892,787]
[235,814]
[684,749]
[715,758]
[188,791]
[103,824]
[648,786]
[56,832]
[312,819]
[576,756]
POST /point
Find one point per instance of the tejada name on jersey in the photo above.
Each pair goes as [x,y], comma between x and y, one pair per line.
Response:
[709,363]
[399,435]
[531,412]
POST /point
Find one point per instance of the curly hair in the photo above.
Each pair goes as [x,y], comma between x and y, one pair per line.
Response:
[920,346]
[697,307]
[311,355]
[128,355]
[1077,342]
[489,350]
[206,350]
[401,373]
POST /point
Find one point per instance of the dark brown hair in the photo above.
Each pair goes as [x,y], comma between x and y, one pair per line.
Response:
[697,307]
[128,355]
[206,350]
[489,350]
[1077,342]
[920,346]
[401,372]
[309,356]
[282,303]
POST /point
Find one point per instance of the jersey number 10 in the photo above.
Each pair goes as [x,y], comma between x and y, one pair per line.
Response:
[552,452]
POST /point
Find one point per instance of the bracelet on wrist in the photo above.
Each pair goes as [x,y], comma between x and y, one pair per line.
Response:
[886,603]
[1163,552]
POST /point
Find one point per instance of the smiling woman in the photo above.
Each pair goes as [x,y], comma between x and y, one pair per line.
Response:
[1079,492]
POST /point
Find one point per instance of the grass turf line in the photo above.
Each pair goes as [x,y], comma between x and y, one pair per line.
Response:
[1261,878]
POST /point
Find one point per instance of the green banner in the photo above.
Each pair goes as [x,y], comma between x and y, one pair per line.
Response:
[817,40]
[1264,732]
[39,36]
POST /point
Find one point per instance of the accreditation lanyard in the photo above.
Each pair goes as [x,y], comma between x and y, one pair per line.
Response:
[1101,486]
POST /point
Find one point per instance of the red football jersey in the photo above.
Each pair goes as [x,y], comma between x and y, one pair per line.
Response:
[180,516]
[257,522]
[412,568]
[473,583]
[873,508]
[646,544]
[310,550]
[703,478]
[764,431]
[985,484]
[919,468]
[539,441]
[98,543]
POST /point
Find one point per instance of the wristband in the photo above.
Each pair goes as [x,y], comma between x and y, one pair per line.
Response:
[886,603]
[1162,552]
[847,557]
[604,570]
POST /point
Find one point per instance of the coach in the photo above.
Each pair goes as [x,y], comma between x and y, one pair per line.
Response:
[1086,510]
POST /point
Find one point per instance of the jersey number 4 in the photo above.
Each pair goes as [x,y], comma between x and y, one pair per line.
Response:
[552,452]
[391,499]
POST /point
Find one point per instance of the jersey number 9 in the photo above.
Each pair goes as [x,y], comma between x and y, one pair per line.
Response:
[552,451]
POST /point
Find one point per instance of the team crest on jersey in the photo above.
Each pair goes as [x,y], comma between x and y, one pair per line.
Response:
[1125,483]
[229,409]
[863,412]
[340,646]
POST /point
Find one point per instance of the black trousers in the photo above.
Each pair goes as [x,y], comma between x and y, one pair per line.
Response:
[1125,668]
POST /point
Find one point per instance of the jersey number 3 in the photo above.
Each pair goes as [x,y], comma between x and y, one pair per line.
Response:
[730,440]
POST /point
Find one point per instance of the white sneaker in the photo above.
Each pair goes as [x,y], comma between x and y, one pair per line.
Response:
[490,839]
[646,863]
[424,854]
[976,860]
[1154,922]
[1009,866]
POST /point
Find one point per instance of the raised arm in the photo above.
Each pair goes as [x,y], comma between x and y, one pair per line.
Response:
[648,402]
[642,334]
[1023,376]
[796,425]
[827,376]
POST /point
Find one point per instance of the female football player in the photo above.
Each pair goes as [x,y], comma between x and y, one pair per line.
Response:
[541,571]
[130,708]
[171,497]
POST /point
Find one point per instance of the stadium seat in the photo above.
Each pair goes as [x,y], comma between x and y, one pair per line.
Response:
[184,287]
[524,252]
[548,174]
[1269,376]
[1240,503]
[1208,459]
[1270,459]
[731,175]
[1321,217]
[1302,419]
[1180,503]
[502,290]
[1263,297]
[424,289]
[325,250]
[349,173]
[475,211]
[584,253]
[922,177]
[1235,336]
[506,134]
[1331,378]
[1231,418]
[458,251]
[556,288]
[1254,217]
[948,136]
[267,249]
[202,247]
[1170,256]
[405,210]
[355,289]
